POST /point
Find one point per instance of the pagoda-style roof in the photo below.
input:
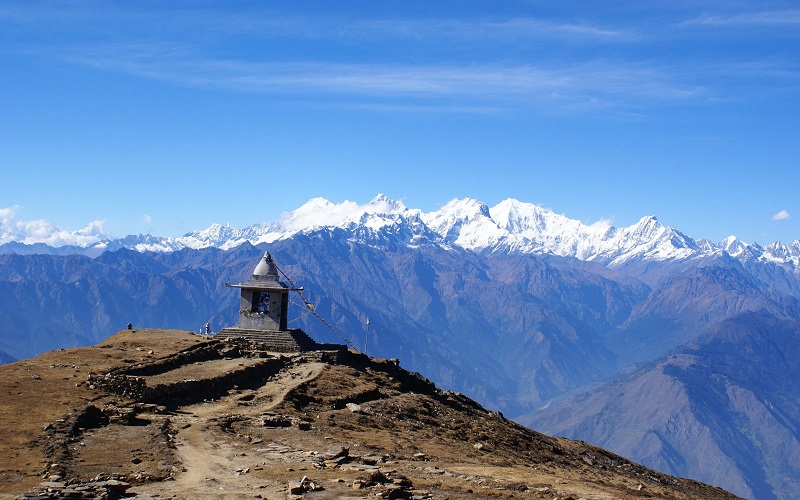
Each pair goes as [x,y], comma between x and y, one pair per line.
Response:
[265,276]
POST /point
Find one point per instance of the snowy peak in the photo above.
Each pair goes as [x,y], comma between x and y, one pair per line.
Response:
[463,220]
[777,253]
[320,213]
[705,246]
[648,237]
[463,210]
[384,204]
[648,228]
[215,235]
[533,228]
[733,245]
[525,218]
[317,212]
[515,226]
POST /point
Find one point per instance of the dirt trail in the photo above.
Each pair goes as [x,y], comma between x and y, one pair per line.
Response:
[213,465]
[274,393]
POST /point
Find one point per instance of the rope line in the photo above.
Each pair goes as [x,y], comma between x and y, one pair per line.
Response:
[306,313]
[311,309]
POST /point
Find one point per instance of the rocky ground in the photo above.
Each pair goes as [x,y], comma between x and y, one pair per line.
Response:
[168,414]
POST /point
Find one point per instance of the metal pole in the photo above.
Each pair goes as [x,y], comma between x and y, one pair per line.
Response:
[366,338]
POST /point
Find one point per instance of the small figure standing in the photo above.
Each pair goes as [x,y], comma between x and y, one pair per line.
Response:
[208,329]
[130,326]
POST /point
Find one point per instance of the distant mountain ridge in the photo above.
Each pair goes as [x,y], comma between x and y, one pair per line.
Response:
[509,226]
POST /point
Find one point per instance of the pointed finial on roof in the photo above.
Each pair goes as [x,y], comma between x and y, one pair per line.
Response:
[266,270]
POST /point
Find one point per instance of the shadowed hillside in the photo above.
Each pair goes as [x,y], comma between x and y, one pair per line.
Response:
[724,407]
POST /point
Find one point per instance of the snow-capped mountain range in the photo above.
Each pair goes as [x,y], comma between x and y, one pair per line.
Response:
[509,226]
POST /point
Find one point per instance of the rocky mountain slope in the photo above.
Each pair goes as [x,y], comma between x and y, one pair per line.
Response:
[171,414]
[733,390]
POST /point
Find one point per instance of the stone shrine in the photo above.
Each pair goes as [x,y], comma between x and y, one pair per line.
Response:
[263,308]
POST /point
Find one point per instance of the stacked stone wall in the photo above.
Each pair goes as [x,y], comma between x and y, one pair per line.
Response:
[203,352]
[186,391]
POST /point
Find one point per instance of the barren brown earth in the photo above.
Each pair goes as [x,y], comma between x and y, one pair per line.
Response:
[169,414]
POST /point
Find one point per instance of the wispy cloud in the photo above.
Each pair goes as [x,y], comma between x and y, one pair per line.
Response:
[763,18]
[265,23]
[320,26]
[595,84]
[514,29]
[462,70]
[782,215]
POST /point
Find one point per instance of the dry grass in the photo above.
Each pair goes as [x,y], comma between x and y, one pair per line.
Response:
[429,441]
[39,391]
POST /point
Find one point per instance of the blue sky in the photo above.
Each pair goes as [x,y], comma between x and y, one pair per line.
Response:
[166,117]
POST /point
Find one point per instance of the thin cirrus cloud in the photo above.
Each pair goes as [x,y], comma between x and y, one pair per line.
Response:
[452,28]
[454,78]
[268,24]
[596,83]
[514,29]
[763,18]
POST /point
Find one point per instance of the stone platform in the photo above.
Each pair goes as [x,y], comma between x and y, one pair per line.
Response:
[294,340]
